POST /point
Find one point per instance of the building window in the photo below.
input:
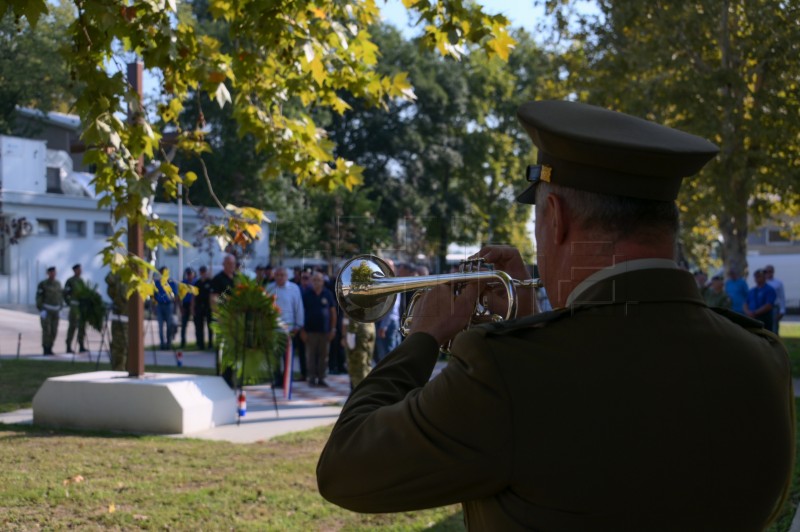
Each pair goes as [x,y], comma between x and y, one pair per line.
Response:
[778,237]
[103,229]
[46,227]
[54,180]
[76,228]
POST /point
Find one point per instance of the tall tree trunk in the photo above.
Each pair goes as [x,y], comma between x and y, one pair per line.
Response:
[734,244]
[444,233]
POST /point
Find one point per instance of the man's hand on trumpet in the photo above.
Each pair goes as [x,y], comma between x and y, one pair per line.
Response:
[509,260]
[444,311]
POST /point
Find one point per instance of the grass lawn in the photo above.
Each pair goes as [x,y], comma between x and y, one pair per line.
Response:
[93,481]
[96,481]
[790,334]
[60,480]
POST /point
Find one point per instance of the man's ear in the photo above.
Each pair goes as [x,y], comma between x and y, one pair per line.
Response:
[558,219]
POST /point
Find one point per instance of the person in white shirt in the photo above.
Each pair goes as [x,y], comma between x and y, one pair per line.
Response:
[290,301]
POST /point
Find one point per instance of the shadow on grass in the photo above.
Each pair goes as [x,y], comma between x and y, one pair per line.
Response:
[451,524]
[26,431]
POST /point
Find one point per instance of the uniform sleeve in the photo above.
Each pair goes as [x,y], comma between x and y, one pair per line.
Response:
[68,291]
[39,296]
[403,442]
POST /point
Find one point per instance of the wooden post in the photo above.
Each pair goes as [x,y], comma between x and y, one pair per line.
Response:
[136,247]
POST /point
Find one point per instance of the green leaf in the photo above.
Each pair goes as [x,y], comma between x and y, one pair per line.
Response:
[318,71]
[30,9]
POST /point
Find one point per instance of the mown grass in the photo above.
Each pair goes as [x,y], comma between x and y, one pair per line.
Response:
[62,480]
[790,334]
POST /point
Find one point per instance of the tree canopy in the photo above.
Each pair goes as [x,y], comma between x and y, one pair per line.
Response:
[32,72]
[288,58]
[726,70]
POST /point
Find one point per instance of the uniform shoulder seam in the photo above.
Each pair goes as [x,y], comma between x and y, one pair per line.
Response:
[534,321]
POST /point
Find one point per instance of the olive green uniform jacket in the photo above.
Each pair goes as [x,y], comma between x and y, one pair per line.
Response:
[639,409]
[49,299]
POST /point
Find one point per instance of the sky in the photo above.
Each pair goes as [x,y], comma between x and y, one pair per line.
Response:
[519,12]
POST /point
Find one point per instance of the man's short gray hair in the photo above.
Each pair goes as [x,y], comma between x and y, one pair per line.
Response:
[616,216]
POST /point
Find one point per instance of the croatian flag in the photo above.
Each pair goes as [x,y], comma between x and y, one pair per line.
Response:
[288,364]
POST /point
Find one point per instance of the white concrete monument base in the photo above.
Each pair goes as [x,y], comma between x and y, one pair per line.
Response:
[160,403]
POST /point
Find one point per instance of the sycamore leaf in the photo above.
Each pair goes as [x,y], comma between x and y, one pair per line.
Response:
[401,85]
[252,229]
[340,106]
[222,95]
[318,71]
[366,50]
[114,139]
[409,3]
[32,10]
[502,44]
[308,50]
[77,479]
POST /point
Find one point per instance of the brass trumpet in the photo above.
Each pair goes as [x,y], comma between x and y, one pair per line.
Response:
[366,289]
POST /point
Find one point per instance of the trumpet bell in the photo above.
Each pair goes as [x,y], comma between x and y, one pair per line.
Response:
[355,289]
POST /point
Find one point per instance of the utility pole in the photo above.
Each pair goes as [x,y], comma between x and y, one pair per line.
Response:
[136,245]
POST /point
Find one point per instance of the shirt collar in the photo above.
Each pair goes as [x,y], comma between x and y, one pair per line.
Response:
[617,269]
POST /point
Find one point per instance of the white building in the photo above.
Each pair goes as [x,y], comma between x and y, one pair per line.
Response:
[773,244]
[49,217]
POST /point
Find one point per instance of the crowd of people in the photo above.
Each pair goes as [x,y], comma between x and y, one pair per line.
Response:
[325,341]
[323,338]
[765,301]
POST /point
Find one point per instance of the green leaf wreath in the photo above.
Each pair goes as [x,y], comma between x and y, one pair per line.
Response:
[90,305]
[247,323]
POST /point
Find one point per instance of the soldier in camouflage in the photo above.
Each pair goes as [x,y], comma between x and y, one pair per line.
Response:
[48,301]
[360,345]
[72,288]
[119,322]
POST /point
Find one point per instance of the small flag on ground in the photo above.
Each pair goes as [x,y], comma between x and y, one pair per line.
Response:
[242,404]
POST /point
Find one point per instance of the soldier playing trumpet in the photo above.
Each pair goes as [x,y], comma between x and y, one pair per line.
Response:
[632,404]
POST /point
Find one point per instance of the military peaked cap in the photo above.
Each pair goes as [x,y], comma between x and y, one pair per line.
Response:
[75,267]
[590,148]
[51,269]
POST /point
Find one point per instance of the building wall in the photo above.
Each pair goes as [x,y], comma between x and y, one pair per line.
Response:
[774,244]
[80,229]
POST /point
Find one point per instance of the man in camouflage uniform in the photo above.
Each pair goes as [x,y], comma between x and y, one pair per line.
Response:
[48,301]
[359,350]
[72,288]
[119,322]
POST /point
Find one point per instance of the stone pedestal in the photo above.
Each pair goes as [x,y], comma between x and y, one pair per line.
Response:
[159,403]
